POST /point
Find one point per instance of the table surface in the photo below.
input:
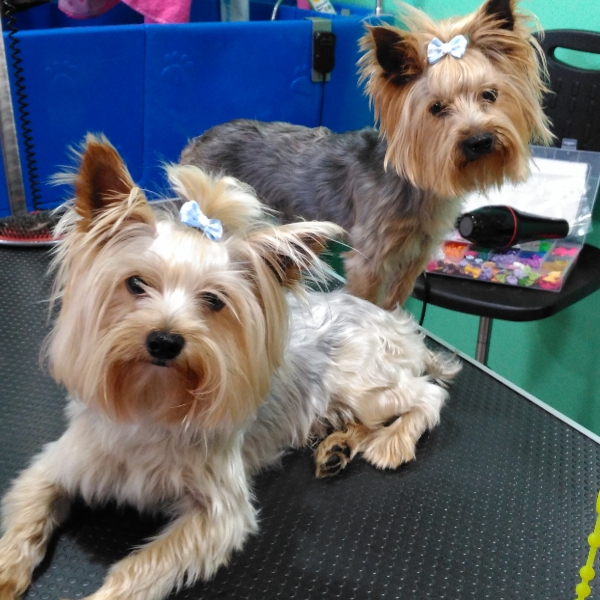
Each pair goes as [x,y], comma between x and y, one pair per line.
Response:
[510,303]
[498,504]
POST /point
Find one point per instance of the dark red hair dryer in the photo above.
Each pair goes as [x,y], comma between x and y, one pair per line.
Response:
[502,226]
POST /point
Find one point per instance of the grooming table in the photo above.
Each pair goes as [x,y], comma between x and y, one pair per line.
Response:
[498,504]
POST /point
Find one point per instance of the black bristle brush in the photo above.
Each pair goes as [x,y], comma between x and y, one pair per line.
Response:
[32,229]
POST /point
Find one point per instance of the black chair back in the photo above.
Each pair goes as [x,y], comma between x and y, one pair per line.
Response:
[574,104]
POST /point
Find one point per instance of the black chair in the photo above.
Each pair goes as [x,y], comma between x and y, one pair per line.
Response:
[574,104]
[574,109]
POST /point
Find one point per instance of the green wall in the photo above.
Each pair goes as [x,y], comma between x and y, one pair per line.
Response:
[555,359]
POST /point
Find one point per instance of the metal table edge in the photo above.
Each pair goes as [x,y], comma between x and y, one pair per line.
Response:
[524,393]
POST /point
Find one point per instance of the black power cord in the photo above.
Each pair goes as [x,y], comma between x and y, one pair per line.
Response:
[426,289]
[323,61]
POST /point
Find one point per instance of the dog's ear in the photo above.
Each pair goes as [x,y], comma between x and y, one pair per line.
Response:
[501,11]
[503,34]
[395,51]
[289,250]
[103,182]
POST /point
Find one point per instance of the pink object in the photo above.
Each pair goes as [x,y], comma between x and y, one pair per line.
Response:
[303,4]
[85,9]
[154,11]
[566,251]
[162,11]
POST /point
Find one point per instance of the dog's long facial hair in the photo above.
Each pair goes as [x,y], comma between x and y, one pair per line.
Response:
[446,129]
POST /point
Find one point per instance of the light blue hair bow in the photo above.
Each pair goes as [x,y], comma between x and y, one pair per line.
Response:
[437,49]
[191,215]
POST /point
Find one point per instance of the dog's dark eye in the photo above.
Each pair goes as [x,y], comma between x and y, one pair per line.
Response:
[214,302]
[135,285]
[436,108]
[490,95]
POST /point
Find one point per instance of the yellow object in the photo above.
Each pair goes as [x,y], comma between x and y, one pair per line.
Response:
[587,571]
[475,271]
[555,265]
[552,277]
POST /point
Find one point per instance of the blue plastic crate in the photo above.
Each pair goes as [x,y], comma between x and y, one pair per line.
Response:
[150,88]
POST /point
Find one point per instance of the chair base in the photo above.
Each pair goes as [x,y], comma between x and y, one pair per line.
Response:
[483,340]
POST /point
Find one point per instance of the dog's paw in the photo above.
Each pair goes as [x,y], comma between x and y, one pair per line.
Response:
[14,578]
[390,453]
[331,457]
[8,589]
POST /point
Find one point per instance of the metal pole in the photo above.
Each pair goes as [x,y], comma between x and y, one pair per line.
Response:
[8,140]
[378,7]
[483,340]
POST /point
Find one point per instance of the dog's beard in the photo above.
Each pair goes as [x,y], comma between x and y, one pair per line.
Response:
[169,393]
[203,387]
[508,161]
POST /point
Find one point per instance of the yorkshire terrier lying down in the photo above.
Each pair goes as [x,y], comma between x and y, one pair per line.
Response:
[193,357]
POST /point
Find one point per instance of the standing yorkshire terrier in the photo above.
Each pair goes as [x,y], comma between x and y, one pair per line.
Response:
[458,103]
[193,356]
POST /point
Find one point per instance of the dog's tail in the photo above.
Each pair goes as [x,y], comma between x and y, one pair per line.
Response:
[442,367]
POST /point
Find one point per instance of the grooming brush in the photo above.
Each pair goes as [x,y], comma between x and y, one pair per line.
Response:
[32,229]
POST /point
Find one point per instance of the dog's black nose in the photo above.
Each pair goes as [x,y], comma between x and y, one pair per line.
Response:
[478,145]
[163,345]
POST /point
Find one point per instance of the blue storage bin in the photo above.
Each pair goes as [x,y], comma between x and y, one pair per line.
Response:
[150,88]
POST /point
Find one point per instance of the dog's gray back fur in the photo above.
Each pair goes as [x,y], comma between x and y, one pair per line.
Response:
[309,173]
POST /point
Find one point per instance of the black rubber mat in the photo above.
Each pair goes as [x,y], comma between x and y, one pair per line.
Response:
[498,504]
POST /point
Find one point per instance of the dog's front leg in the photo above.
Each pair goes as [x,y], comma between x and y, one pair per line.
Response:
[192,547]
[402,282]
[363,280]
[31,511]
